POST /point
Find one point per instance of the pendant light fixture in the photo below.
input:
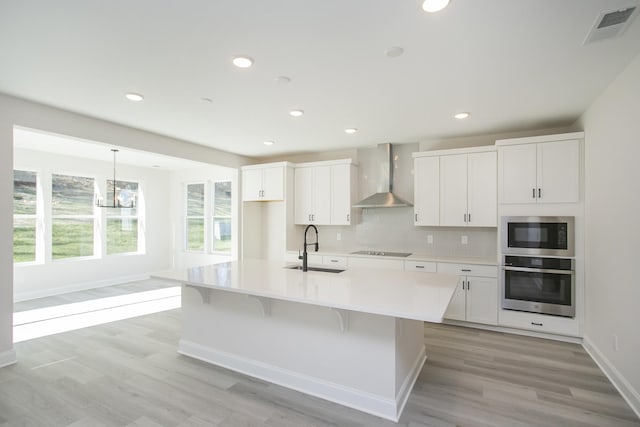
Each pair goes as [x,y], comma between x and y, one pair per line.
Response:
[116,203]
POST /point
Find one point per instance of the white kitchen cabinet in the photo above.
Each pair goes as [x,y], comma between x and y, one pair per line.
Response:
[426,205]
[540,322]
[476,297]
[456,188]
[468,190]
[324,192]
[539,172]
[262,182]
[343,191]
[312,195]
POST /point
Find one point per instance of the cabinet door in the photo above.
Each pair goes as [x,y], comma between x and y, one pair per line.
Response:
[482,189]
[302,196]
[456,309]
[482,300]
[559,172]
[252,184]
[341,193]
[453,190]
[321,195]
[517,165]
[273,183]
[426,207]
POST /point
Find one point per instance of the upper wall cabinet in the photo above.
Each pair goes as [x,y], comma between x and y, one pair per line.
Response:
[324,192]
[456,188]
[540,169]
[263,182]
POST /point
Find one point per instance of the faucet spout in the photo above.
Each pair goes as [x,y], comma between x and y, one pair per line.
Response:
[304,249]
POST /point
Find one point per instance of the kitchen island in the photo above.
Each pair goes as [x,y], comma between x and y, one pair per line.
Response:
[355,337]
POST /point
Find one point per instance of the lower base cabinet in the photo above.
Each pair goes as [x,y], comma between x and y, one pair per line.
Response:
[476,297]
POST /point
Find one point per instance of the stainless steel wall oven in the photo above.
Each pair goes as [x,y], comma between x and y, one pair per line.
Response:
[538,269]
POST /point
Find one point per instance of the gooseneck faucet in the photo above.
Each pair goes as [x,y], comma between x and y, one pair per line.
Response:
[304,249]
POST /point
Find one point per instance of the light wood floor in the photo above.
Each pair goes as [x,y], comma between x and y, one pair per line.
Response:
[128,373]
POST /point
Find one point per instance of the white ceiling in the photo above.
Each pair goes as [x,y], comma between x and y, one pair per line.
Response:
[516,65]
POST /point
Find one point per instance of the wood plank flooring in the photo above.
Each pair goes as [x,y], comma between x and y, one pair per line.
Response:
[128,373]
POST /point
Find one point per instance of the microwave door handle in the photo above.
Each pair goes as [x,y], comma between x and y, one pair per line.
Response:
[538,270]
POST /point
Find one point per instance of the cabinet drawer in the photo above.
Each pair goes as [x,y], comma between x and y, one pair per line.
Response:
[373,262]
[425,266]
[539,322]
[335,261]
[468,269]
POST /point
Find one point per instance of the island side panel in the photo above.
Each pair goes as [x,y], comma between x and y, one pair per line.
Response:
[301,346]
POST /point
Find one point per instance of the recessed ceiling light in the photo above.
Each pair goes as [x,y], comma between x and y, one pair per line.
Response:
[242,61]
[462,115]
[207,100]
[434,5]
[268,142]
[351,131]
[296,113]
[393,52]
[131,96]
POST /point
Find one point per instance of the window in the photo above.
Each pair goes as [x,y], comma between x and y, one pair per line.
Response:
[72,216]
[122,223]
[24,216]
[221,223]
[195,217]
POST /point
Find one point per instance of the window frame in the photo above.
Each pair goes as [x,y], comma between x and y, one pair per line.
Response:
[93,216]
[213,217]
[107,217]
[188,217]
[37,217]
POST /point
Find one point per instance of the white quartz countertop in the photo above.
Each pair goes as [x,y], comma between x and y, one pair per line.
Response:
[416,257]
[403,294]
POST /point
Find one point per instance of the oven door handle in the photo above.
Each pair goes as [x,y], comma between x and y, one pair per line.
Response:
[538,270]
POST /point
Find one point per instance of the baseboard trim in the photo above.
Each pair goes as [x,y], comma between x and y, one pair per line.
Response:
[515,331]
[83,286]
[410,380]
[8,358]
[350,397]
[623,386]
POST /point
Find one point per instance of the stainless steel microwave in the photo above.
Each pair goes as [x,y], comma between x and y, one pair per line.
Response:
[538,235]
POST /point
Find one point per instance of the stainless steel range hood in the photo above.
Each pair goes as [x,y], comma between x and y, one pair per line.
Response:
[384,198]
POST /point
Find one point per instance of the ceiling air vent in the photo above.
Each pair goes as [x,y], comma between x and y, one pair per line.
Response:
[611,24]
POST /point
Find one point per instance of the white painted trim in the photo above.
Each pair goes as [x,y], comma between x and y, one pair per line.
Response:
[326,163]
[8,358]
[623,386]
[542,138]
[407,385]
[465,150]
[268,165]
[83,286]
[353,398]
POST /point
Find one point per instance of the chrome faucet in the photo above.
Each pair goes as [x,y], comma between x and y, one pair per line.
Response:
[304,248]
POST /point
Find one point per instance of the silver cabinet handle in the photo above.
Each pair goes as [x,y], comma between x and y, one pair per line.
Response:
[334,260]
[419,266]
[534,193]
[539,193]
[465,217]
[416,216]
[536,324]
[469,217]
[348,215]
[468,285]
[465,269]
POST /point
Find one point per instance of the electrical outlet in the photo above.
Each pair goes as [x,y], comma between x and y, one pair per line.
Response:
[430,239]
[338,236]
[616,345]
[464,240]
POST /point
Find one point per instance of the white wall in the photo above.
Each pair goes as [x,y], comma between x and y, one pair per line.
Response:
[206,174]
[55,277]
[18,112]
[612,151]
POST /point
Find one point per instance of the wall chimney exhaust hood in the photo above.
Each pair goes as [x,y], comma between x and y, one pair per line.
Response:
[384,198]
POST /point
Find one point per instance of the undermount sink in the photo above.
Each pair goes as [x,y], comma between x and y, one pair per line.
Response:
[325,270]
